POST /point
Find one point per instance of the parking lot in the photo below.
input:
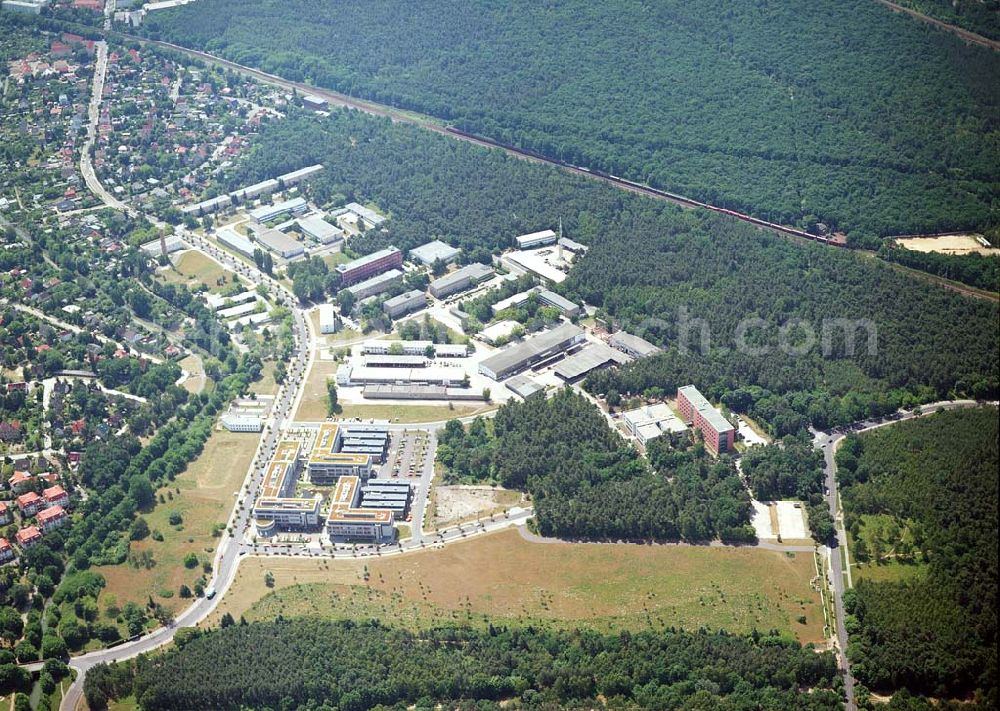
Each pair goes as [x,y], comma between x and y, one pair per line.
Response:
[408,454]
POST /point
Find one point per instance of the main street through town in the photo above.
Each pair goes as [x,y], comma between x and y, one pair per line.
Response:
[239,542]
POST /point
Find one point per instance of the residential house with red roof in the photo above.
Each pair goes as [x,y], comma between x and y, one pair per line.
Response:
[52,518]
[30,503]
[6,551]
[28,536]
[55,496]
[6,516]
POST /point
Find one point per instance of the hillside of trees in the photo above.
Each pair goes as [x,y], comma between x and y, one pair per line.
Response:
[833,111]
[652,265]
[979,16]
[586,483]
[936,478]
[319,664]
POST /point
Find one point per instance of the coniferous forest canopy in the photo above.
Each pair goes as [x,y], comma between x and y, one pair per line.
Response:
[322,665]
[936,478]
[652,265]
[833,111]
[979,16]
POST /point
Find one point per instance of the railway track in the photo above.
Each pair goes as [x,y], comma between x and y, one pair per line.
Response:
[335,98]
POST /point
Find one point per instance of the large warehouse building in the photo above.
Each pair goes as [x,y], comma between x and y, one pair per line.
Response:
[370,265]
[533,350]
[717,431]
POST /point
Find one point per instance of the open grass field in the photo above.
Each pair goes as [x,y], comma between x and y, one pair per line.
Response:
[192,268]
[506,579]
[332,339]
[205,500]
[197,379]
[266,384]
[335,258]
[313,404]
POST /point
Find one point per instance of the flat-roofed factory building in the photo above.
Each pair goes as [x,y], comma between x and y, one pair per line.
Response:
[533,350]
[281,244]
[431,252]
[405,303]
[592,357]
[632,345]
[317,228]
[460,280]
[535,239]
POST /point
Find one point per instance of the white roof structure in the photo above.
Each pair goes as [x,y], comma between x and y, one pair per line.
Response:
[319,229]
[429,253]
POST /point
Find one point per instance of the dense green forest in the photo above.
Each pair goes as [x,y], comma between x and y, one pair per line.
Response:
[978,270]
[832,111]
[979,16]
[322,665]
[652,265]
[936,478]
[587,483]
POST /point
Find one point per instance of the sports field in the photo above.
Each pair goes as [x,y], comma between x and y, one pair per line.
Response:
[205,499]
[503,578]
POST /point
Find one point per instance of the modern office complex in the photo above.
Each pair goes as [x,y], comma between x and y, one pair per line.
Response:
[337,452]
[531,351]
[369,265]
[405,303]
[460,280]
[347,521]
[242,423]
[278,508]
[391,494]
[716,429]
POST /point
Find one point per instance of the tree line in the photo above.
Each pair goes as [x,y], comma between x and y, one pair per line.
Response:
[324,665]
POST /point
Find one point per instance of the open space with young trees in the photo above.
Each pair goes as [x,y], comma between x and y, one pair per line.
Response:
[929,489]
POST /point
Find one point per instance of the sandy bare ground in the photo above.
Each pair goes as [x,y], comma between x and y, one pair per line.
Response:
[948,244]
[452,504]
